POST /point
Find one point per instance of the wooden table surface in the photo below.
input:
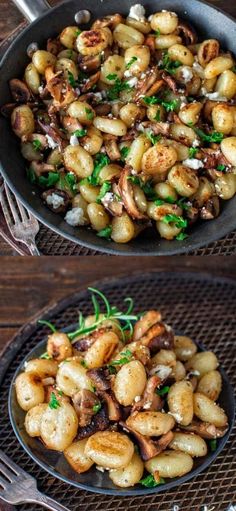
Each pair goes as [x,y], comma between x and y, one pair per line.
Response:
[10,19]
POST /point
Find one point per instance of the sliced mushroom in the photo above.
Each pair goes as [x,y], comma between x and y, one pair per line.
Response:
[90,82]
[20,92]
[54,46]
[6,110]
[114,410]
[84,402]
[205,429]
[157,128]
[144,84]
[89,64]
[213,157]
[170,81]
[150,41]
[149,319]
[84,343]
[111,147]
[99,422]
[149,448]
[127,194]
[150,399]
[186,32]
[110,21]
[130,135]
[103,109]
[100,378]
[49,197]
[36,136]
[54,133]
[159,336]
[41,168]
[60,89]
[211,209]
[71,124]
[192,214]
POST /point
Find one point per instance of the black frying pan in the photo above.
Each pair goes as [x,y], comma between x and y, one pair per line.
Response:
[209,22]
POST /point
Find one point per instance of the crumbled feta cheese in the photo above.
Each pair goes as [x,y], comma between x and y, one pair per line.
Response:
[75,217]
[147,405]
[41,89]
[52,144]
[193,163]
[127,73]
[215,96]
[196,143]
[108,197]
[161,370]
[101,469]
[176,416]
[74,140]
[98,96]
[55,201]
[137,399]
[77,90]
[133,81]
[137,12]
[198,70]
[187,73]
[193,373]
[150,17]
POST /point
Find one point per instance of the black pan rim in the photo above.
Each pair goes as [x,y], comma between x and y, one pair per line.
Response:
[179,248]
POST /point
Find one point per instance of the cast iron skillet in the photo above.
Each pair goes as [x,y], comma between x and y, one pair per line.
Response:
[94,480]
[209,22]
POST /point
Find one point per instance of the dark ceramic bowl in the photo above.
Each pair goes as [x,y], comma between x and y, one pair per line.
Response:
[94,480]
[209,21]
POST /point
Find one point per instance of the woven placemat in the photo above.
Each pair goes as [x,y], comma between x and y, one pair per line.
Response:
[195,304]
[50,243]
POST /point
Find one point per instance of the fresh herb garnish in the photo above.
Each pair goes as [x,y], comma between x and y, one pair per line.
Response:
[213,444]
[153,138]
[163,391]
[99,162]
[221,168]
[124,151]
[125,358]
[97,408]
[170,106]
[119,86]
[37,144]
[146,187]
[181,236]
[105,233]
[106,187]
[46,356]
[178,221]
[169,65]
[53,403]
[31,176]
[80,133]
[84,364]
[112,76]
[50,180]
[78,31]
[215,136]
[71,79]
[150,482]
[158,116]
[131,61]
[157,32]
[192,152]
[89,114]
[48,324]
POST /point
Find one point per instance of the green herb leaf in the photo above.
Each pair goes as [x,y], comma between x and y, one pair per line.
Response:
[83,363]
[221,168]
[100,161]
[124,151]
[163,391]
[131,61]
[72,182]
[71,79]
[105,233]
[106,187]
[192,152]
[78,31]
[112,76]
[50,180]
[31,176]
[97,408]
[37,144]
[125,358]
[179,221]
[153,138]
[158,116]
[157,32]
[46,356]
[181,236]
[89,114]
[170,106]
[80,133]
[215,136]
[169,65]
[182,203]
[150,482]
[213,444]
[47,323]
[53,403]
[119,85]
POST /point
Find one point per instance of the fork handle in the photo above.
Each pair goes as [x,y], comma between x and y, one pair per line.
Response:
[33,248]
[47,502]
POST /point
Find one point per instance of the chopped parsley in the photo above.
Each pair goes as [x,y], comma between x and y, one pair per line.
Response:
[97,408]
[99,162]
[89,114]
[215,136]
[169,65]
[158,116]
[178,221]
[146,187]
[163,391]
[221,168]
[150,482]
[53,403]
[192,152]
[112,76]
[80,133]
[157,32]
[78,31]
[153,138]
[71,79]
[131,61]
[37,144]
[105,233]
[119,86]
[83,363]
[50,180]
[31,176]
[170,106]
[181,236]
[124,151]
[213,444]
[106,187]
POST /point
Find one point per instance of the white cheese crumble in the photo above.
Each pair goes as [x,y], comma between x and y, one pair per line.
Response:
[133,81]
[127,73]
[101,469]
[137,399]
[196,143]
[198,70]
[161,370]
[147,405]
[193,163]
[187,74]
[74,140]
[52,144]
[55,201]
[137,12]
[75,217]
[176,416]
[215,96]
[41,89]
[108,197]
[98,95]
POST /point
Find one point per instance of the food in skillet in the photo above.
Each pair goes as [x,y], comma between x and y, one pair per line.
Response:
[124,394]
[128,124]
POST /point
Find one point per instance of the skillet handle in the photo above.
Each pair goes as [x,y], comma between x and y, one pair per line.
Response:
[32,9]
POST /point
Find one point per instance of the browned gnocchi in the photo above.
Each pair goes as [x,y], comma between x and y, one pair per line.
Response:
[125,394]
[125,117]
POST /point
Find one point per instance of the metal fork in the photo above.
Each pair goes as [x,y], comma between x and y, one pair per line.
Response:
[18,487]
[22,225]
